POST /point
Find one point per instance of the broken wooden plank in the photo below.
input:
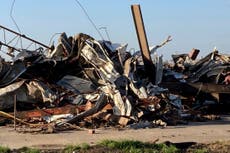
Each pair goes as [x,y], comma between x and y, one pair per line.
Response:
[142,39]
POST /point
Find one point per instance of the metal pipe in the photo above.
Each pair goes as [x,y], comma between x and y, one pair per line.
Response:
[24,36]
[1,43]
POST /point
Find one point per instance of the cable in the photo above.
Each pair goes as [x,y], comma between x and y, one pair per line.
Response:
[91,21]
[106,32]
[11,16]
[53,37]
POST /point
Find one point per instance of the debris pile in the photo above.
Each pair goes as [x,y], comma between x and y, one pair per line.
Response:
[206,80]
[92,83]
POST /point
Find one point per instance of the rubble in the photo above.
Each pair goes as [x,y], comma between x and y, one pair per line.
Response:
[90,83]
[82,83]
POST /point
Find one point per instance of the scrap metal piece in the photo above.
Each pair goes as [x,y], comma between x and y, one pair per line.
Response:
[32,92]
[10,48]
[193,53]
[142,39]
[154,49]
[121,107]
[65,43]
[158,62]
[77,85]
[139,92]
[98,106]
[57,118]
[9,72]
[100,61]
[6,100]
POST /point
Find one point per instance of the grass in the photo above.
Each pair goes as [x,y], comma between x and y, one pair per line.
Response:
[28,150]
[85,146]
[129,146]
[21,150]
[72,148]
[4,149]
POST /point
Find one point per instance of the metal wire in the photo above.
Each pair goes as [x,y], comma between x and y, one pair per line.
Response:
[16,42]
[11,16]
[91,21]
[106,32]
[4,36]
[12,40]
[52,37]
[29,46]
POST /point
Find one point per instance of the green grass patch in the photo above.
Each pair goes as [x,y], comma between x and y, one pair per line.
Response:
[71,148]
[85,146]
[4,149]
[128,146]
[28,150]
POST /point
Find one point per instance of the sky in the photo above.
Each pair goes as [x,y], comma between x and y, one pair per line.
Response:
[201,24]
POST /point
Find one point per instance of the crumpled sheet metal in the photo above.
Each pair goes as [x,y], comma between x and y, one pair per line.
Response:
[10,72]
[32,92]
[121,107]
[210,66]
[7,94]
[38,91]
[100,62]
[77,85]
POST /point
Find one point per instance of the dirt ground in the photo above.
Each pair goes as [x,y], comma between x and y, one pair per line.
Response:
[201,132]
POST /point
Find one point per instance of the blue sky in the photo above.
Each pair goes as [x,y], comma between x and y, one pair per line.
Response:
[201,24]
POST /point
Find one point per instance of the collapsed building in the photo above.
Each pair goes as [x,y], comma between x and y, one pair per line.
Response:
[90,83]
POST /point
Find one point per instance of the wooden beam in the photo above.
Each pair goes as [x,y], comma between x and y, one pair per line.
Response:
[142,39]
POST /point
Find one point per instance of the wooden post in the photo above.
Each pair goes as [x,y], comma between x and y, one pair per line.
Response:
[142,39]
[15,109]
